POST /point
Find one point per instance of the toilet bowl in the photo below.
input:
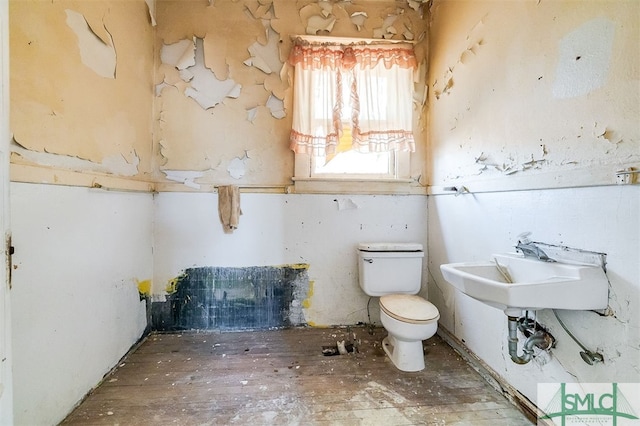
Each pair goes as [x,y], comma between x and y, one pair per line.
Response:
[409,320]
[392,271]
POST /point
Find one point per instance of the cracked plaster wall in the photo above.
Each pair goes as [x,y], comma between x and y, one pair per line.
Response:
[194,92]
[528,96]
[81,92]
[533,94]
[238,133]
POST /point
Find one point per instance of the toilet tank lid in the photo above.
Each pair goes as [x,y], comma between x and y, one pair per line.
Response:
[390,247]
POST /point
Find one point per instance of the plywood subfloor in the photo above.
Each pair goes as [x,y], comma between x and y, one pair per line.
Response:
[281,377]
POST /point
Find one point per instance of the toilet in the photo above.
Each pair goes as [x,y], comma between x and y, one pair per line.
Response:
[393,272]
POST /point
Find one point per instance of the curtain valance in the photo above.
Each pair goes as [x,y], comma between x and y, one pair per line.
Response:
[347,57]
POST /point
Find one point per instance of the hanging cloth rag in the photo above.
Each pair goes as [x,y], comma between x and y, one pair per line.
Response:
[229,207]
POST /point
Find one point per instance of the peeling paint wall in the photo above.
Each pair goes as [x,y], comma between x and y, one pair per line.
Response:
[81,88]
[80,114]
[533,94]
[223,105]
[527,97]
[146,91]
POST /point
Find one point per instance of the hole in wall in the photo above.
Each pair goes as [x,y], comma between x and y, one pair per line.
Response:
[243,298]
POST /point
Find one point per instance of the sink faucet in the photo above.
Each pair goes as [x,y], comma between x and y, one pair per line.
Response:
[530,248]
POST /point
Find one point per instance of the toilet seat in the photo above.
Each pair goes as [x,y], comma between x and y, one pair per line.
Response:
[409,308]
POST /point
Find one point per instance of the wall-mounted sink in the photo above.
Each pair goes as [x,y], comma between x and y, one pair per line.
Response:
[535,284]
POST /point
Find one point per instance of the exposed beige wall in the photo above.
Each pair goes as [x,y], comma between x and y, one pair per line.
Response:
[222,144]
[533,94]
[71,110]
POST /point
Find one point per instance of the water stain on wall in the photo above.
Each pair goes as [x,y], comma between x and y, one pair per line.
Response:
[234,298]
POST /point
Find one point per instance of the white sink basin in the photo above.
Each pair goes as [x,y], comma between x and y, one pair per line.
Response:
[535,284]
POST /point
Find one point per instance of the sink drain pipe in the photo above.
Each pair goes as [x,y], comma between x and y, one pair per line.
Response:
[540,339]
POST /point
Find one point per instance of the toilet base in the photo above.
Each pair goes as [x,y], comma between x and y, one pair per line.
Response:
[406,356]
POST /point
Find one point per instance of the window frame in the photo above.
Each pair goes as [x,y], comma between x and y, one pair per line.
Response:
[305,180]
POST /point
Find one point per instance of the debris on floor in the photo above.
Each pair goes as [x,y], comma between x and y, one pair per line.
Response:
[343,347]
[340,348]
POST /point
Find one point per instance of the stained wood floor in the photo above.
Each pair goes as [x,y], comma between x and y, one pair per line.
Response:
[281,377]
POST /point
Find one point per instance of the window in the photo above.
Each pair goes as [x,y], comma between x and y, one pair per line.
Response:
[346,161]
[353,109]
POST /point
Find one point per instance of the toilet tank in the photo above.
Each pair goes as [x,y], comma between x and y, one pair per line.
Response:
[390,268]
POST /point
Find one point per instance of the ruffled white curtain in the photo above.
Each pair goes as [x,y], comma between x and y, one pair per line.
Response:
[373,84]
